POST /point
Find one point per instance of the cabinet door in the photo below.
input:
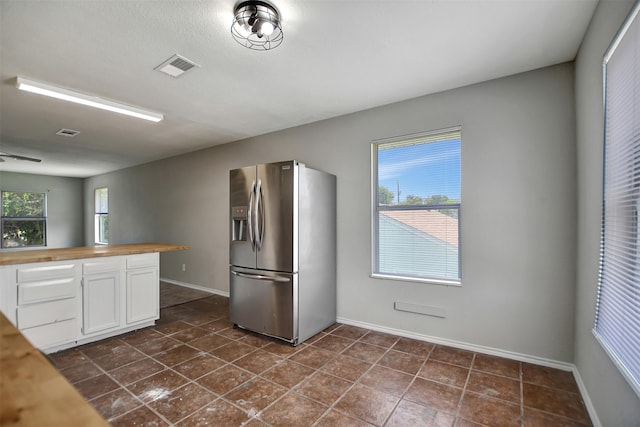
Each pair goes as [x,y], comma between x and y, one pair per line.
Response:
[142,294]
[101,301]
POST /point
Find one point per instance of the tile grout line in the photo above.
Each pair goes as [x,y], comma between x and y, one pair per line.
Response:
[316,370]
[256,416]
[415,376]
[332,406]
[464,388]
[521,378]
[143,403]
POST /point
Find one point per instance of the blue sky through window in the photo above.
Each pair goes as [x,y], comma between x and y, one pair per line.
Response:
[422,170]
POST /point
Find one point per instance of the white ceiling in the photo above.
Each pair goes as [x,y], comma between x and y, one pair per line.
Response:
[337,57]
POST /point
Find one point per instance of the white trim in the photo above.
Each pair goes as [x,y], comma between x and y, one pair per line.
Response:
[443,282]
[619,364]
[437,135]
[417,136]
[621,33]
[197,287]
[585,398]
[86,340]
[464,346]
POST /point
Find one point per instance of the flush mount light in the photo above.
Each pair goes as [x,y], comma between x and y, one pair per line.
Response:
[84,99]
[256,25]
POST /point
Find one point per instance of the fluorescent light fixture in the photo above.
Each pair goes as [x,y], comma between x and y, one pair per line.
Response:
[81,98]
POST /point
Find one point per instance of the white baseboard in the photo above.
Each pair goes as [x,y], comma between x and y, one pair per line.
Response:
[197,287]
[465,346]
[585,398]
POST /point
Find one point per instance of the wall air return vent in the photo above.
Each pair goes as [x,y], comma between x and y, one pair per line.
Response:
[176,66]
[68,132]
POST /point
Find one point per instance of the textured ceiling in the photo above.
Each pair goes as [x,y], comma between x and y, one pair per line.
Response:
[337,57]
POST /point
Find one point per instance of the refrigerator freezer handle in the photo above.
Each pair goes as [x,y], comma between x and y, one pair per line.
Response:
[259,216]
[250,216]
[261,277]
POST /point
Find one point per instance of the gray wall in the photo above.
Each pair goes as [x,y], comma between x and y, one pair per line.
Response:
[614,401]
[519,209]
[64,205]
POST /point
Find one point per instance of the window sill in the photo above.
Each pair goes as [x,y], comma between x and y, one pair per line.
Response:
[441,282]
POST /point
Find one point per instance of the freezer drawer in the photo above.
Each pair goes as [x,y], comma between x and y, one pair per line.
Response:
[265,302]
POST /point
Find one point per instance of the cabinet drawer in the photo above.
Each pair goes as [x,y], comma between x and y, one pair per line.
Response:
[51,334]
[46,290]
[50,312]
[32,274]
[101,266]
[143,260]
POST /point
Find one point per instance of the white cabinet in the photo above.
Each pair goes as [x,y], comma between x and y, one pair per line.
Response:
[47,302]
[62,304]
[143,296]
[101,287]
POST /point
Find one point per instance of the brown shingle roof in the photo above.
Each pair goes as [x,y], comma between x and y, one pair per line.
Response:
[434,223]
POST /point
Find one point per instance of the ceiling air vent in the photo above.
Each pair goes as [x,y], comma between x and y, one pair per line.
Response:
[68,132]
[176,66]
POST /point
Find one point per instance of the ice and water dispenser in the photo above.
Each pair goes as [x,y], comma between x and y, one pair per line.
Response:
[240,223]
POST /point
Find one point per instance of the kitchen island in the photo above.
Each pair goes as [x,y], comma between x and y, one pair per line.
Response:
[60,298]
[32,392]
[61,254]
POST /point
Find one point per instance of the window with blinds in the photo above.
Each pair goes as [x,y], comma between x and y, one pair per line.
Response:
[416,212]
[101,218]
[617,325]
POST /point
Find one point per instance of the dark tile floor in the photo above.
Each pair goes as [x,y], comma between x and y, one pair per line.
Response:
[171,294]
[194,369]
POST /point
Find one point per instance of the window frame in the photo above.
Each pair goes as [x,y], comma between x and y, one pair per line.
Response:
[612,338]
[42,219]
[98,215]
[375,210]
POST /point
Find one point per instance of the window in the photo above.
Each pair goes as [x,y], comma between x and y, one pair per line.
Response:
[617,325]
[24,219]
[416,213]
[101,198]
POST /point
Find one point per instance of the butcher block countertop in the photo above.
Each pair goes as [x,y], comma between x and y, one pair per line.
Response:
[62,254]
[32,391]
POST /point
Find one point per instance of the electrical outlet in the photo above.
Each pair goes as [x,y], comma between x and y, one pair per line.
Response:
[184,267]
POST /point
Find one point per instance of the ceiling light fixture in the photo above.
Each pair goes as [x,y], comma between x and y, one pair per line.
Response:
[17,157]
[256,25]
[89,100]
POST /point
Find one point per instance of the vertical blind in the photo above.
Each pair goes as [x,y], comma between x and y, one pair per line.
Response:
[617,325]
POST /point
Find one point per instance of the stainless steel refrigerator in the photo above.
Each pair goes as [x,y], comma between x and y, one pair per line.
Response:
[282,250]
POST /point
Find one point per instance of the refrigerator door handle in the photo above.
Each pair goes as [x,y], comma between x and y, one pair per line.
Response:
[259,215]
[261,277]
[250,216]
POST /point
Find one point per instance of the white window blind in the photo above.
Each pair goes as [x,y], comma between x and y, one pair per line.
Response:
[617,325]
[101,225]
[416,192]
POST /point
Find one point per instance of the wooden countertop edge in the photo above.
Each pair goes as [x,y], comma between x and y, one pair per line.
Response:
[33,392]
[63,254]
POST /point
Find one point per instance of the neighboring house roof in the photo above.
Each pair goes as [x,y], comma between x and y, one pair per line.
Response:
[433,223]
[408,251]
